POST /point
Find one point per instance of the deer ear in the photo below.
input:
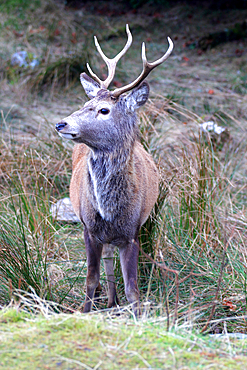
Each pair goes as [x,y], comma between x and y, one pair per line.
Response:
[138,96]
[90,86]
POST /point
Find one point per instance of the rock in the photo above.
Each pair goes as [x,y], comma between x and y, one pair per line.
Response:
[210,126]
[63,211]
[23,59]
[219,136]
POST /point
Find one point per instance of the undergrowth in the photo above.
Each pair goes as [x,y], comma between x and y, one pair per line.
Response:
[33,252]
[192,259]
[195,241]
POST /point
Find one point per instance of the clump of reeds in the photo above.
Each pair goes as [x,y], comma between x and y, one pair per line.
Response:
[61,73]
[192,252]
[33,254]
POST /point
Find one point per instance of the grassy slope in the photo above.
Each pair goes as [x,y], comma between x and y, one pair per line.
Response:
[100,342]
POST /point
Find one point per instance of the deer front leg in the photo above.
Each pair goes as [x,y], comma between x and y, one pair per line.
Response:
[129,262]
[107,255]
[93,251]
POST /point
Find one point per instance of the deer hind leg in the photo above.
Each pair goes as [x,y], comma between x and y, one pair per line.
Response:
[129,262]
[107,255]
[93,250]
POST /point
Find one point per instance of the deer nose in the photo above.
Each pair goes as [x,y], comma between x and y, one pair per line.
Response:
[60,126]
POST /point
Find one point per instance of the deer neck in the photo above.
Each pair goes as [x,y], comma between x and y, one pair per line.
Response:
[111,180]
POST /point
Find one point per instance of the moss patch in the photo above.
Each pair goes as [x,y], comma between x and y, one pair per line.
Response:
[97,341]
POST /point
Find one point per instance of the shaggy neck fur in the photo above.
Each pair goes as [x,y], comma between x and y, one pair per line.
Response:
[111,178]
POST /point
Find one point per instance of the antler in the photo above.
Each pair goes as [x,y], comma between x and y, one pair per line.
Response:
[111,63]
[147,68]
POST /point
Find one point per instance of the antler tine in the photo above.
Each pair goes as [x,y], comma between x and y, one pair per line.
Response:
[147,68]
[111,63]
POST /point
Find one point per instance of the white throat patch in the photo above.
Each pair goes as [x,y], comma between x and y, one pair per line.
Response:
[95,190]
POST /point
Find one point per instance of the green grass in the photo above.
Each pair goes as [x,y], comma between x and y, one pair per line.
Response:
[108,342]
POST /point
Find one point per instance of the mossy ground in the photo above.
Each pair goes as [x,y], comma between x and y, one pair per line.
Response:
[99,341]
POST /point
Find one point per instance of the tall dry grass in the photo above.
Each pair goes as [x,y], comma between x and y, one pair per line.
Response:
[34,173]
[197,257]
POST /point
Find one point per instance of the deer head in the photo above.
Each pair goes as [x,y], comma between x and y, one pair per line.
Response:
[109,116]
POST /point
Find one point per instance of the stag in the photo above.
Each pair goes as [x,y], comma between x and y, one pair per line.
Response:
[114,183]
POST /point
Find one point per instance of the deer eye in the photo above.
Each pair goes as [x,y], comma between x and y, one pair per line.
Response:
[104,110]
